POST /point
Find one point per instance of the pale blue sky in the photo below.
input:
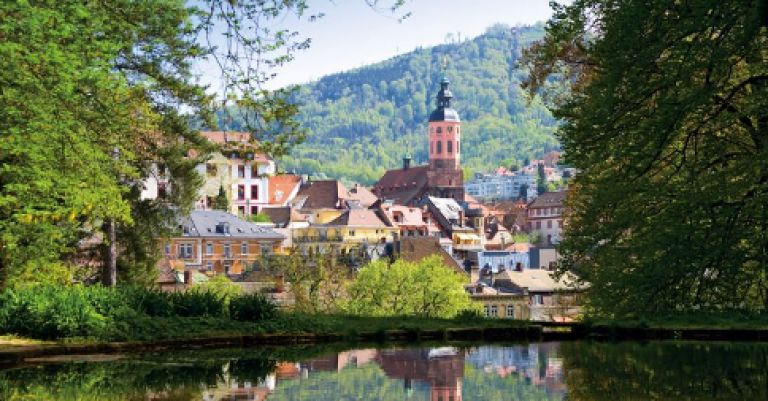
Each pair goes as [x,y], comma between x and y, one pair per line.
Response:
[351,34]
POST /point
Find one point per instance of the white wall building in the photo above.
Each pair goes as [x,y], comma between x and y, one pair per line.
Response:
[501,187]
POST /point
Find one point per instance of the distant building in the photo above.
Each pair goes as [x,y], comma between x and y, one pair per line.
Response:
[503,186]
[353,230]
[215,241]
[545,215]
[443,176]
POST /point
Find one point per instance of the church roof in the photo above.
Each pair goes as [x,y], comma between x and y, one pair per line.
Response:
[444,114]
[402,185]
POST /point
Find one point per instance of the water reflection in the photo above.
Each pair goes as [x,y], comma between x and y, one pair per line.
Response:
[547,371]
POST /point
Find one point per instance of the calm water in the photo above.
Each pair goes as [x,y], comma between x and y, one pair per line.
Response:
[546,371]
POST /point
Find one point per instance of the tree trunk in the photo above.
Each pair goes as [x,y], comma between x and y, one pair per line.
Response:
[109,272]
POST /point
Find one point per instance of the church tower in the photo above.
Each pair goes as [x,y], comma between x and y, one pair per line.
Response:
[444,132]
[446,179]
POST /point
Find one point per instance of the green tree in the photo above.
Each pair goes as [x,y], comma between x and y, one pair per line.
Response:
[667,121]
[221,201]
[426,288]
[96,94]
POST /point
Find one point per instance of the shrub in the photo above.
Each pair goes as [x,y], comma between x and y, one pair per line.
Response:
[49,312]
[252,308]
[198,303]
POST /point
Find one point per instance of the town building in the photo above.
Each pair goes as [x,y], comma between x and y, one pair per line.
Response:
[494,187]
[351,231]
[545,216]
[442,176]
[215,241]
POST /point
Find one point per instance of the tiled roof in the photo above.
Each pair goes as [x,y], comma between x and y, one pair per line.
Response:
[414,249]
[538,280]
[230,137]
[280,216]
[222,137]
[549,199]
[410,216]
[325,194]
[362,195]
[203,223]
[402,185]
[358,218]
[282,187]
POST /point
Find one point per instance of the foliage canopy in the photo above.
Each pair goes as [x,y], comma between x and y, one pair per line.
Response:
[667,119]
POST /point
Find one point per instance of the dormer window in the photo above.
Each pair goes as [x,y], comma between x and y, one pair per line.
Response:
[222,228]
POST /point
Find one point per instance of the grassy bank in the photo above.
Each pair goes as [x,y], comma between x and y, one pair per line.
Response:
[78,314]
[723,320]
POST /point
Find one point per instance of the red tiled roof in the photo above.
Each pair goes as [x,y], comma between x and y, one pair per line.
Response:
[402,185]
[222,137]
[281,187]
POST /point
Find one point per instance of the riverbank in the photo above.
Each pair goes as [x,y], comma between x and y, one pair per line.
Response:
[355,331]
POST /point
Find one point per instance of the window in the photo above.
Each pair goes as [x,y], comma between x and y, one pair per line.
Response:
[244,248]
[538,225]
[351,233]
[439,147]
[167,249]
[162,190]
[494,311]
[241,210]
[254,192]
[209,266]
[227,266]
[510,312]
[450,129]
[209,248]
[450,147]
[549,223]
[186,251]
[254,210]
[457,146]
[485,310]
[241,171]
[439,130]
[431,147]
[227,250]
[241,192]
[537,299]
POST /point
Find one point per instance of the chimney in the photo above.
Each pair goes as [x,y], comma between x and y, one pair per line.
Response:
[406,162]
[474,274]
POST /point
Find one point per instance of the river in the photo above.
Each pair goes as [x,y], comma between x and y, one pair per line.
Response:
[582,371]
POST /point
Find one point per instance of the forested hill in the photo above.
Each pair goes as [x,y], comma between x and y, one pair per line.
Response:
[364,121]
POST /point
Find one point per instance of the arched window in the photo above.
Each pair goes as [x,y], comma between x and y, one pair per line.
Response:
[450,128]
[439,147]
[450,147]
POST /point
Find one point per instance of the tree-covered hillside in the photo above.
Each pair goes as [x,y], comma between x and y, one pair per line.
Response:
[364,121]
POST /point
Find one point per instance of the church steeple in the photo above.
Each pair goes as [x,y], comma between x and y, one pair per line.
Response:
[444,131]
[444,112]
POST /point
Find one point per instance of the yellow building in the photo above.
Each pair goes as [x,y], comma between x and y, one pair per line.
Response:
[349,230]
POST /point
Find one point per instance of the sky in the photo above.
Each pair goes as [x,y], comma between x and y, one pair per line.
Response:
[351,34]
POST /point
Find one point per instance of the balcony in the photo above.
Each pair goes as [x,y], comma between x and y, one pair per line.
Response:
[317,239]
